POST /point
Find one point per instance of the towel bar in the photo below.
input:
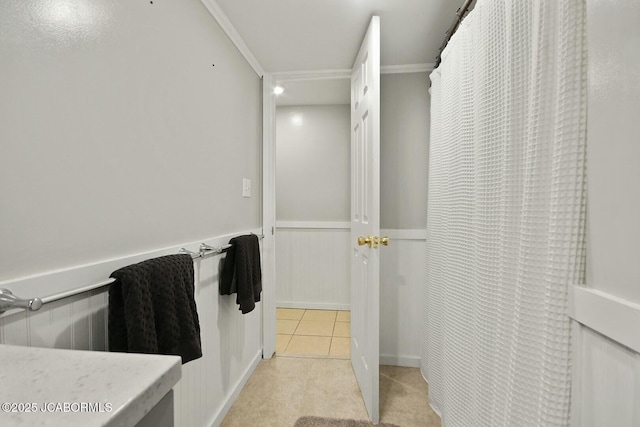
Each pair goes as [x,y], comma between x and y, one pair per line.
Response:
[205,251]
[8,301]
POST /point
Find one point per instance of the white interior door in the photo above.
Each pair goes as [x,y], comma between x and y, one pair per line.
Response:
[365,217]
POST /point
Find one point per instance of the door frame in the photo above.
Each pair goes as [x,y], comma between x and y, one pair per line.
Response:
[269,81]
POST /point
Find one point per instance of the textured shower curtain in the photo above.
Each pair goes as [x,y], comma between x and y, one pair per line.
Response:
[506,214]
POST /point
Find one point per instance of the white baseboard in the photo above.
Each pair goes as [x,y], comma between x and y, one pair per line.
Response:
[231,398]
[313,305]
[406,361]
[433,408]
[436,410]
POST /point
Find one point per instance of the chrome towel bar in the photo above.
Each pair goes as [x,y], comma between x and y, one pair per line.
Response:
[205,251]
[8,301]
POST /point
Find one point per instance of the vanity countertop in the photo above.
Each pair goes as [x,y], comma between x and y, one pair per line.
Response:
[81,388]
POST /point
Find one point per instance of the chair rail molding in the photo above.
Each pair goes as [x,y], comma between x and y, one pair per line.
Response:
[613,317]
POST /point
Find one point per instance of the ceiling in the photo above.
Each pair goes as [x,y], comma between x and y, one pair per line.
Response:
[300,35]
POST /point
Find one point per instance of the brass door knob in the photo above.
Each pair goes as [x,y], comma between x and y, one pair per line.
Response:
[384,241]
[365,241]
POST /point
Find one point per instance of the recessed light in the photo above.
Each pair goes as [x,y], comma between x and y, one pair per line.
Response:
[278,90]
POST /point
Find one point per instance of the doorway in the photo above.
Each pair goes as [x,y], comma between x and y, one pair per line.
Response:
[364,216]
[312,180]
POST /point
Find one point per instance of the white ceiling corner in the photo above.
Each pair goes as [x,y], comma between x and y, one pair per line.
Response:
[407,68]
[294,35]
[227,26]
[309,46]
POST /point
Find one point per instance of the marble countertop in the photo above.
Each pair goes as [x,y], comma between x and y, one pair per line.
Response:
[81,388]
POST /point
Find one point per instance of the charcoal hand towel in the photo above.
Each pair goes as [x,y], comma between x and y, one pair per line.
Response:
[152,308]
[241,272]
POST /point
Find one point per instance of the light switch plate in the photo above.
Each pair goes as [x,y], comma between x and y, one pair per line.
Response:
[246,187]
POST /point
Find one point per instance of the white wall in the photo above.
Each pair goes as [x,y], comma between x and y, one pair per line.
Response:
[118,133]
[312,156]
[121,141]
[404,150]
[606,389]
[614,150]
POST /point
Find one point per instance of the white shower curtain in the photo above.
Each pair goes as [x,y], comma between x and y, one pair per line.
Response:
[506,214]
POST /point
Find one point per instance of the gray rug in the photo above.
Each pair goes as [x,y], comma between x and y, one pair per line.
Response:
[334,422]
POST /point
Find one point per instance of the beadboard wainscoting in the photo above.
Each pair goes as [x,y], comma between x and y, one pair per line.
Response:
[606,353]
[312,265]
[78,322]
[313,272]
[231,342]
[402,279]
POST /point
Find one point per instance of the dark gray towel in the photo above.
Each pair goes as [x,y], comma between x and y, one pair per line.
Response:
[152,308]
[241,272]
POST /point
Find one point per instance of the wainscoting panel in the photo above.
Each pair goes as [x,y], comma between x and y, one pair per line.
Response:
[231,341]
[609,383]
[313,271]
[402,276]
[77,323]
[312,267]
[606,365]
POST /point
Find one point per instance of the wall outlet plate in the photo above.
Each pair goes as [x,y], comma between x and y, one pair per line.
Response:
[246,187]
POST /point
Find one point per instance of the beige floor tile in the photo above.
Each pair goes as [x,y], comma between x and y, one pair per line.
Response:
[340,347]
[281,342]
[286,327]
[342,329]
[315,346]
[324,315]
[315,327]
[289,313]
[343,316]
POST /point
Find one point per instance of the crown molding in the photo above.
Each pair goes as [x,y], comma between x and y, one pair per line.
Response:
[407,68]
[223,20]
[346,73]
[218,14]
[312,75]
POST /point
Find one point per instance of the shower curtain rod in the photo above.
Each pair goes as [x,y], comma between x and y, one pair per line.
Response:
[460,14]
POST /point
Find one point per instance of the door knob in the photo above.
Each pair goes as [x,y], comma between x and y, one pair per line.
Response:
[365,241]
[373,241]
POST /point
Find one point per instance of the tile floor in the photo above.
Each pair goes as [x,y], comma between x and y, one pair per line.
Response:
[313,333]
[283,389]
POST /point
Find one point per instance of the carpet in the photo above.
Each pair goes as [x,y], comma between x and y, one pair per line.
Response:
[334,422]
